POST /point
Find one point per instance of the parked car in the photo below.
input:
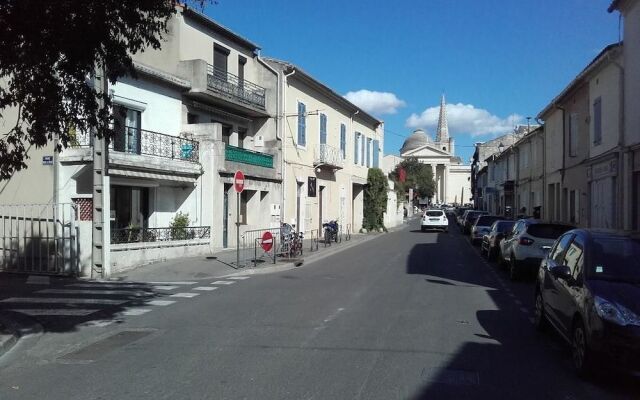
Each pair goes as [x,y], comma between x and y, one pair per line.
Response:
[434,219]
[491,241]
[588,289]
[470,219]
[481,227]
[460,211]
[527,243]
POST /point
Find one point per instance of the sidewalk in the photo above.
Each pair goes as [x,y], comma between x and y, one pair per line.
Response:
[224,263]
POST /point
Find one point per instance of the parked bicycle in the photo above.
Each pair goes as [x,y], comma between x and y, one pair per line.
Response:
[331,230]
[290,241]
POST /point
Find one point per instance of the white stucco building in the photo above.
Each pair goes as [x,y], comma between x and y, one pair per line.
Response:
[451,176]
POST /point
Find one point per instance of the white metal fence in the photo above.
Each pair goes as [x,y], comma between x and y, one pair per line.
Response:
[39,238]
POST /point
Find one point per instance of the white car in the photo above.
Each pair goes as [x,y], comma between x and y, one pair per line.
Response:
[434,219]
[526,245]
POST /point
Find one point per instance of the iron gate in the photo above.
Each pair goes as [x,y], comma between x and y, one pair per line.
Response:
[39,238]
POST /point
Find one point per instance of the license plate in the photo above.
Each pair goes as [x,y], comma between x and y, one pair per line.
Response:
[434,219]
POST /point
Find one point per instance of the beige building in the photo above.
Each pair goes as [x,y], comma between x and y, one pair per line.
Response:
[329,144]
[630,146]
[529,182]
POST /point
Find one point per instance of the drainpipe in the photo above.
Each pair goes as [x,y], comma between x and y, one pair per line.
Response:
[284,145]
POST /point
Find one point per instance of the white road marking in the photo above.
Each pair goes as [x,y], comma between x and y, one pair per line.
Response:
[60,300]
[131,312]
[165,287]
[100,285]
[136,293]
[223,282]
[38,280]
[173,283]
[238,278]
[160,302]
[205,288]
[187,295]
[524,310]
[101,323]
[75,312]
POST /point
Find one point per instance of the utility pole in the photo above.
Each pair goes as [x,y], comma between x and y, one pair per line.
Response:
[101,232]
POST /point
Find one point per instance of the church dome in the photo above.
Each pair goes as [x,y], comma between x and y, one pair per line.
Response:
[417,139]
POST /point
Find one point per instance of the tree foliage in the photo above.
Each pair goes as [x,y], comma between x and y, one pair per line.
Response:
[48,52]
[418,176]
[375,199]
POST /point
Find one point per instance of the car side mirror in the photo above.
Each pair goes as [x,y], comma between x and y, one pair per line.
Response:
[561,272]
[545,250]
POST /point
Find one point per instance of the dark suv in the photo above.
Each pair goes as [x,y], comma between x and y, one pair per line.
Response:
[588,289]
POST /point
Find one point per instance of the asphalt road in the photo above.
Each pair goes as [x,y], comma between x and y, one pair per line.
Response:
[408,315]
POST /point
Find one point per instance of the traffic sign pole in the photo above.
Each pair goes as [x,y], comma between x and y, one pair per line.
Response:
[238,185]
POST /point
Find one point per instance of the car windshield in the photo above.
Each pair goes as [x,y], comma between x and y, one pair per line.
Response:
[505,226]
[486,220]
[615,258]
[434,213]
[547,231]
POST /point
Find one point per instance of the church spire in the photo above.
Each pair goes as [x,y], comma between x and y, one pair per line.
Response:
[443,129]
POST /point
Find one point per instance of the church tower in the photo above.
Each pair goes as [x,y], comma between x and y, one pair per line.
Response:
[443,140]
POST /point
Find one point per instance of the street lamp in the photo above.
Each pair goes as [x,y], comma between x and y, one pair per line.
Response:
[501,147]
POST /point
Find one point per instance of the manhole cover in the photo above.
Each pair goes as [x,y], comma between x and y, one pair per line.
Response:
[101,347]
[455,377]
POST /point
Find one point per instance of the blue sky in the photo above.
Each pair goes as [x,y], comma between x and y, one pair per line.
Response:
[496,61]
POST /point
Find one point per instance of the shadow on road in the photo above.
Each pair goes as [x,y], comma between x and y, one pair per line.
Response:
[508,358]
[65,304]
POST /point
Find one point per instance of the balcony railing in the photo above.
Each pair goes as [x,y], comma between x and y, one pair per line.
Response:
[330,156]
[233,86]
[238,154]
[141,235]
[139,141]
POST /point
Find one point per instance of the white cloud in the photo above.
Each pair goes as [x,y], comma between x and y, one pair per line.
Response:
[465,118]
[377,103]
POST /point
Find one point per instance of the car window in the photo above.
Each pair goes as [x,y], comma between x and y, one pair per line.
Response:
[547,231]
[486,220]
[516,227]
[434,213]
[573,255]
[560,247]
[505,226]
[615,258]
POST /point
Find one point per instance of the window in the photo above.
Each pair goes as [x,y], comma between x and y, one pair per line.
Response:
[558,252]
[573,257]
[192,118]
[241,63]
[573,134]
[376,154]
[220,56]
[356,147]
[363,142]
[128,125]
[597,121]
[368,152]
[343,141]
[323,129]
[302,124]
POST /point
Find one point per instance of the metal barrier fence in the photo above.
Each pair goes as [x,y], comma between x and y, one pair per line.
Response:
[39,238]
[136,234]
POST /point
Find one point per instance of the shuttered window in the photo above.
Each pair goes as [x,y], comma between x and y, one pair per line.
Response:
[343,141]
[323,129]
[356,147]
[376,154]
[363,142]
[302,125]
[573,135]
[368,152]
[597,121]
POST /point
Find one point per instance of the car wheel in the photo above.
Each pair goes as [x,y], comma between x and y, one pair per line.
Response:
[539,319]
[579,350]
[422,229]
[513,269]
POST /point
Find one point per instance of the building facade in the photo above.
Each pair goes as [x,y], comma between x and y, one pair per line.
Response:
[329,145]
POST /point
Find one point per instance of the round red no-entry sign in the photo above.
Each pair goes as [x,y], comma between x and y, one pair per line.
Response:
[238,181]
[267,241]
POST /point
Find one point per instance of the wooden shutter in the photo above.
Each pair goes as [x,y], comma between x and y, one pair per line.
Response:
[376,154]
[356,147]
[323,129]
[302,134]
[597,120]
[343,141]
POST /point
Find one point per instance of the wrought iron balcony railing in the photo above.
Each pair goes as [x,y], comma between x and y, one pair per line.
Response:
[329,156]
[233,86]
[139,141]
[141,235]
[238,154]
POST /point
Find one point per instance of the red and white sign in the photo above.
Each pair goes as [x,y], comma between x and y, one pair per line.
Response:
[267,241]
[238,181]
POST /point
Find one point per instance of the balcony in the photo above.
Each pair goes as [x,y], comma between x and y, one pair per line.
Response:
[142,142]
[244,156]
[234,87]
[328,157]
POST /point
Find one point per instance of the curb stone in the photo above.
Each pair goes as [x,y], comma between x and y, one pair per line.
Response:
[13,327]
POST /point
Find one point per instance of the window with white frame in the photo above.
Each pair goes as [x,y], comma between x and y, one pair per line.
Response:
[302,124]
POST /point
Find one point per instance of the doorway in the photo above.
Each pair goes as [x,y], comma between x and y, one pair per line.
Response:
[320,206]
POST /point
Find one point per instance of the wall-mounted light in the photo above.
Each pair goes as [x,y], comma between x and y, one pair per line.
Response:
[501,147]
